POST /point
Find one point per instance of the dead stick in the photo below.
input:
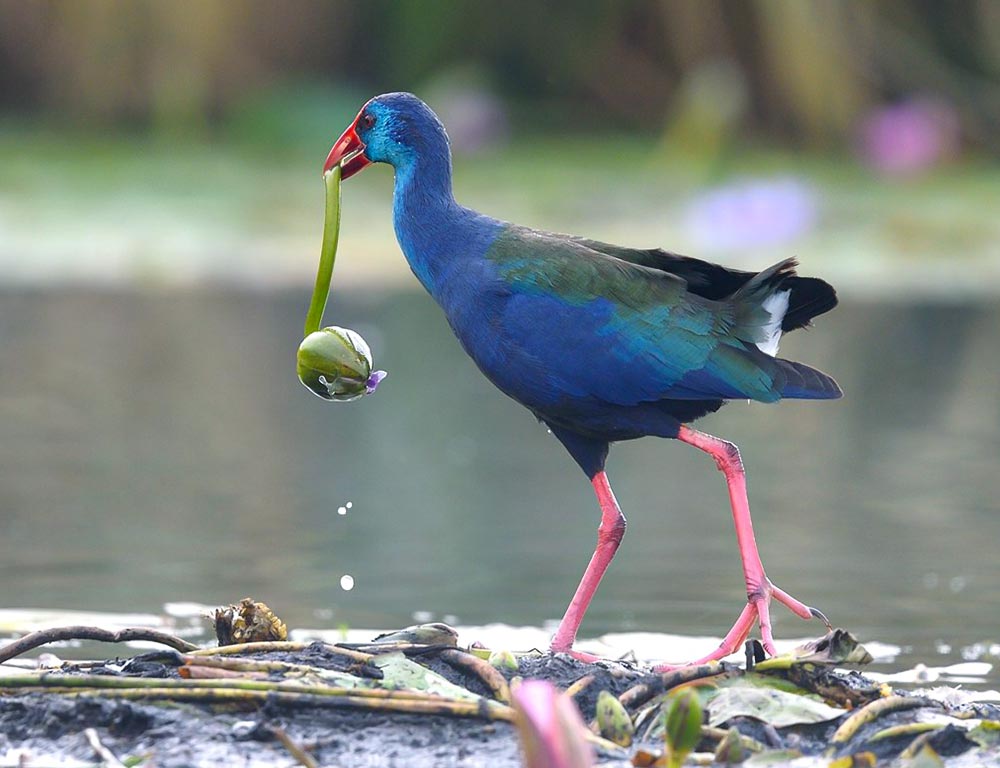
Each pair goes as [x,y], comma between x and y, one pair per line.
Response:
[248,665]
[107,756]
[639,694]
[54,682]
[487,673]
[914,747]
[57,634]
[579,686]
[431,705]
[278,646]
[870,713]
[718,734]
[294,749]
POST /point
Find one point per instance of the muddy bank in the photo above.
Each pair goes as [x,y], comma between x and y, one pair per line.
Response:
[404,703]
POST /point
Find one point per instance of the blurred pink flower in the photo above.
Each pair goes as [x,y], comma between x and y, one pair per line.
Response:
[552,731]
[909,137]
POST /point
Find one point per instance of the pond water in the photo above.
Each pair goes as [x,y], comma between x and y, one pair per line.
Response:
[157,447]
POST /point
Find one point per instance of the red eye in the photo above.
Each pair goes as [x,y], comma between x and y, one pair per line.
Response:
[367,120]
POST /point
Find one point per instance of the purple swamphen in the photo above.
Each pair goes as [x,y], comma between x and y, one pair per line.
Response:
[600,342]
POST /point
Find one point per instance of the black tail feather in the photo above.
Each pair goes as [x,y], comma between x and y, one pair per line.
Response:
[810,298]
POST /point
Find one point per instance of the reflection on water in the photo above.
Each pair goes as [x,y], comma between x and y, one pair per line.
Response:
[158,447]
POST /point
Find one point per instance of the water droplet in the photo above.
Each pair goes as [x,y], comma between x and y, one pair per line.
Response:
[341,510]
[349,504]
[347,582]
[957,583]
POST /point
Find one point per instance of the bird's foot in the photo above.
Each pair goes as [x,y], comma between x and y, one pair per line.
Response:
[757,611]
[586,658]
[583,656]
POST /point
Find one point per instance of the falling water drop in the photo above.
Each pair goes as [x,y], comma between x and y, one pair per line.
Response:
[341,510]
[347,582]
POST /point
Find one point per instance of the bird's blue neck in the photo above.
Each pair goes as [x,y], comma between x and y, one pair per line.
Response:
[435,233]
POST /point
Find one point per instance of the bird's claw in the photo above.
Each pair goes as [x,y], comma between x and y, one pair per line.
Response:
[818,614]
[756,611]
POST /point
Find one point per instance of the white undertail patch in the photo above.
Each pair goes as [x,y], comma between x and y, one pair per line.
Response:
[776,305]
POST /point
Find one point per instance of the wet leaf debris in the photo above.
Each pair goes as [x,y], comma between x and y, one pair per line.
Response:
[415,697]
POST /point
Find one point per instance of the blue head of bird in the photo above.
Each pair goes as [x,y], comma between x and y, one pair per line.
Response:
[394,128]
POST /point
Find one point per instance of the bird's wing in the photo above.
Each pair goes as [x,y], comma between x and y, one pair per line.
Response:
[710,281]
[622,332]
[809,296]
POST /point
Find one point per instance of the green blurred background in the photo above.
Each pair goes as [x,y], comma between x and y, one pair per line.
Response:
[181,141]
[160,215]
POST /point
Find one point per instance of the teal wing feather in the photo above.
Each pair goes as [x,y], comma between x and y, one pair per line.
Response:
[624,332]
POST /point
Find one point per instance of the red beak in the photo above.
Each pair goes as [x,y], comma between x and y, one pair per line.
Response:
[349,151]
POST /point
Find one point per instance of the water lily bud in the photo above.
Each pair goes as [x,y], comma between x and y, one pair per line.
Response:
[503,660]
[613,720]
[336,364]
[683,726]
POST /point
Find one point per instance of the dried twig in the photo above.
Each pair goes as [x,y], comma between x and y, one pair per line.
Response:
[488,674]
[296,751]
[279,646]
[579,686]
[639,694]
[58,634]
[907,729]
[108,757]
[914,747]
[310,697]
[202,666]
[718,734]
[227,689]
[870,713]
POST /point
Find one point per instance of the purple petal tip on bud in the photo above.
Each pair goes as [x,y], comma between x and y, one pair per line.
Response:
[374,380]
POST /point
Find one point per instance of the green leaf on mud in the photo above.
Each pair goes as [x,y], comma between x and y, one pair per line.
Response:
[986,734]
[399,673]
[778,708]
[754,680]
[926,758]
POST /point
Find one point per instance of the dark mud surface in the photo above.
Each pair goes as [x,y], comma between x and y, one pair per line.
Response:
[176,734]
[181,735]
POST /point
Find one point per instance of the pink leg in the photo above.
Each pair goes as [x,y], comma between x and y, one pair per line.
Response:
[759,589]
[609,536]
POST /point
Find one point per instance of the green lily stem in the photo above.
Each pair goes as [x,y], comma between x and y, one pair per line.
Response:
[328,252]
